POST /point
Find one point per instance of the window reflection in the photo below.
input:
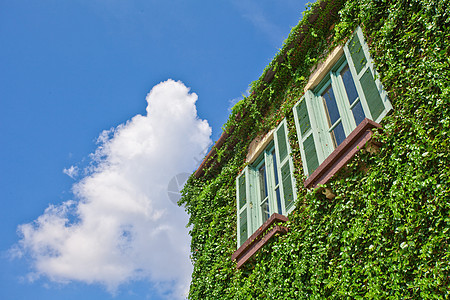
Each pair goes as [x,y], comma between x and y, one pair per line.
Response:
[333,117]
[352,95]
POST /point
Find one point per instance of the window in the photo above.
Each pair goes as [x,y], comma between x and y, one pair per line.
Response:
[346,93]
[266,185]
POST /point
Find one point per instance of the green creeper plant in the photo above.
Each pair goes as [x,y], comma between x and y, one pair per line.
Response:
[386,234]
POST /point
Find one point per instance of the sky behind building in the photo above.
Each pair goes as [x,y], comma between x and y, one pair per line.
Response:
[102,104]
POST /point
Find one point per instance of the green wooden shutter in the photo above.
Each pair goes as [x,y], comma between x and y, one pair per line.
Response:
[242,196]
[311,159]
[374,99]
[285,167]
[306,136]
[243,208]
[357,53]
[282,143]
[303,117]
[243,227]
[371,94]
[288,191]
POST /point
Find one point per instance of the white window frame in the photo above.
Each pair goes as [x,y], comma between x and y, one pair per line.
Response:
[252,188]
[329,72]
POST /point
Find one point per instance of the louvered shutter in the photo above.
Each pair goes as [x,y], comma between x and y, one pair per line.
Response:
[308,133]
[243,208]
[369,87]
[285,167]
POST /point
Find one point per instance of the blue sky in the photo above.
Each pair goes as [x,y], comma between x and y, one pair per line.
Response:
[87,150]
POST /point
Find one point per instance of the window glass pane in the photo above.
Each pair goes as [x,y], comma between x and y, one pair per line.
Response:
[330,105]
[338,134]
[358,113]
[262,181]
[265,211]
[277,192]
[349,84]
[275,167]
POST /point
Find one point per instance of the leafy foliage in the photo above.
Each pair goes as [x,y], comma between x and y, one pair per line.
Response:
[386,234]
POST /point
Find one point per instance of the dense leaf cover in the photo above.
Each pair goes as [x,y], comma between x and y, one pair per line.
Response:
[386,234]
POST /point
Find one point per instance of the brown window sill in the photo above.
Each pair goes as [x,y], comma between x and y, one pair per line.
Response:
[258,239]
[342,154]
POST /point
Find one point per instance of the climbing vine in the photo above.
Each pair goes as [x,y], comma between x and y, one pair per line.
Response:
[386,234]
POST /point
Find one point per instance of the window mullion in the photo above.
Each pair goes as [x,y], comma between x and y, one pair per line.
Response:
[357,100]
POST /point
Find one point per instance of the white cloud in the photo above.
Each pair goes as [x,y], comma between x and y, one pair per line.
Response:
[72,172]
[122,226]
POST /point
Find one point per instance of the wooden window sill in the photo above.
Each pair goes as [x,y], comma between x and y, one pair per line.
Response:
[342,154]
[258,239]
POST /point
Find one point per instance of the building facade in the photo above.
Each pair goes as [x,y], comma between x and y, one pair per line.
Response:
[331,179]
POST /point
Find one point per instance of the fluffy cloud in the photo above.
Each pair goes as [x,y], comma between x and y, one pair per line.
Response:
[72,172]
[122,225]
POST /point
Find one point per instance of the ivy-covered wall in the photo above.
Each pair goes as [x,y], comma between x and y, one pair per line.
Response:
[386,234]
